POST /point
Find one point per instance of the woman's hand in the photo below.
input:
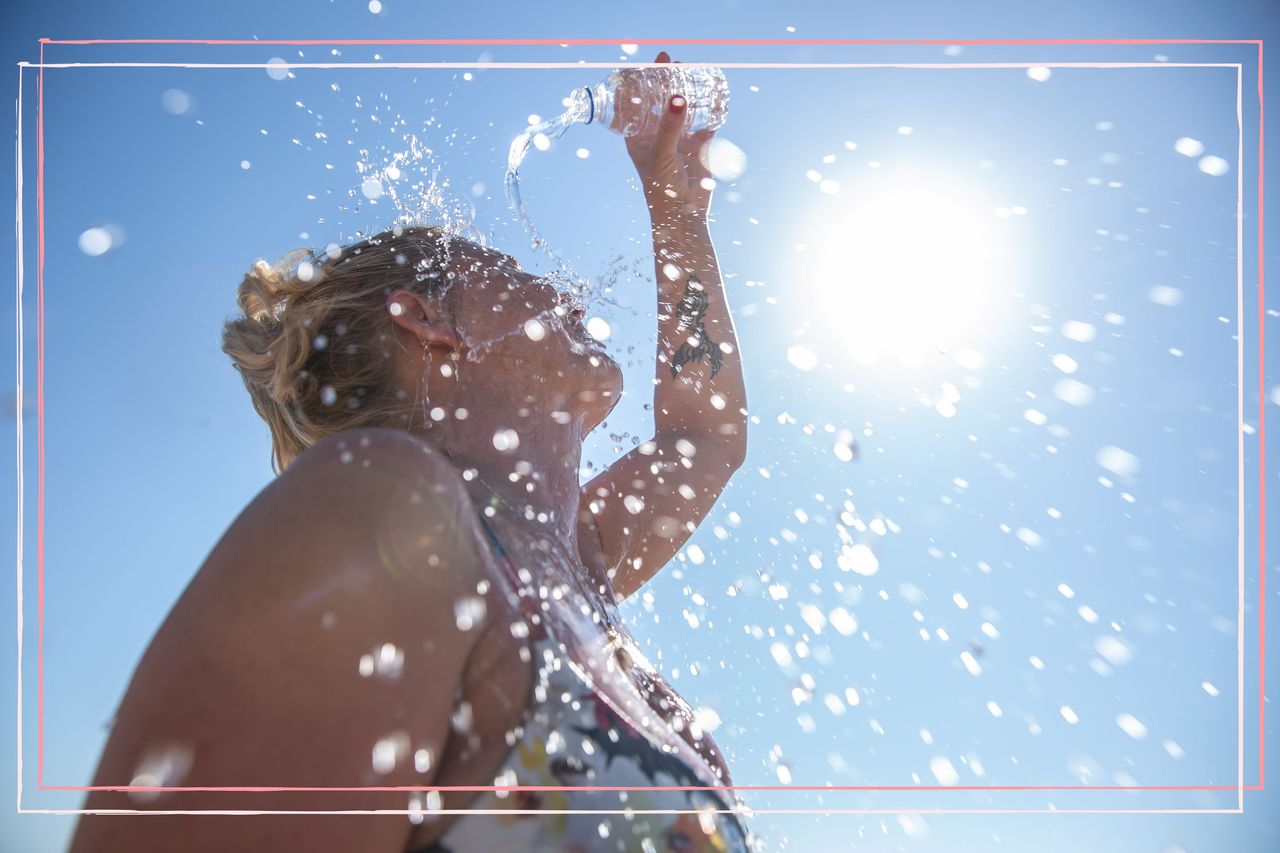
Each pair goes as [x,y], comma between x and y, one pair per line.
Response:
[677,185]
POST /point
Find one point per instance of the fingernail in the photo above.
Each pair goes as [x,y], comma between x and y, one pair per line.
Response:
[677,104]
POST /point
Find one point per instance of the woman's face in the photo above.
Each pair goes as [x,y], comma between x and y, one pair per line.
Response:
[529,334]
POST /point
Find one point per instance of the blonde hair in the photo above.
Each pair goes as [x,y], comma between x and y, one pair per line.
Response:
[309,346]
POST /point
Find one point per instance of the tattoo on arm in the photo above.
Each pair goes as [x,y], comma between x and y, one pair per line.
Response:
[691,313]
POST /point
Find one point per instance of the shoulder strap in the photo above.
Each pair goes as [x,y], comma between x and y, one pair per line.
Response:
[527,604]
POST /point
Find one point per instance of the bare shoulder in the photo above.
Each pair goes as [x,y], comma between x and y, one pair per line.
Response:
[386,489]
[357,456]
[318,645]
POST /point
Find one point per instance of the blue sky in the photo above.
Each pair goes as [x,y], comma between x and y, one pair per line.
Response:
[1051,503]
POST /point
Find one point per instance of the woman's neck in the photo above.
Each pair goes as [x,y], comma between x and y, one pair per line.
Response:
[530,467]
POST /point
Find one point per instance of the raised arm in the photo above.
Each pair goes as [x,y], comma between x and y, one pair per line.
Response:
[316,647]
[647,503]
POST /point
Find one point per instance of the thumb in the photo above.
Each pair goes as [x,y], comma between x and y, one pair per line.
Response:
[671,126]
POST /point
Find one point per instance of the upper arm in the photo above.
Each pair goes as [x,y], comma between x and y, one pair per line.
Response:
[648,502]
[316,647]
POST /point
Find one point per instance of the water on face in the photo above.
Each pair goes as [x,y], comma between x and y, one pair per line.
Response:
[409,176]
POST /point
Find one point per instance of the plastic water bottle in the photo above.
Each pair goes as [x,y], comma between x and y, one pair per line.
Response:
[631,101]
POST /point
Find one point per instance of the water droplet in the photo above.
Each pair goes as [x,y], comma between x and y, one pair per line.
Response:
[277,68]
[1119,462]
[943,770]
[469,611]
[534,329]
[375,6]
[415,808]
[461,718]
[599,328]
[390,661]
[1029,537]
[95,241]
[1065,363]
[1131,726]
[801,357]
[1077,330]
[843,621]
[1216,166]
[175,101]
[162,766]
[506,439]
[1039,73]
[1114,649]
[1188,147]
[858,558]
[1074,392]
[372,188]
[724,160]
[389,750]
[1163,294]
[913,826]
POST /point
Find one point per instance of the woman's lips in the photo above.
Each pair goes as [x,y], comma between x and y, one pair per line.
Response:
[580,329]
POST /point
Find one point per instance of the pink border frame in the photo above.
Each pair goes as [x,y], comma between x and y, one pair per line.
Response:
[1261,408]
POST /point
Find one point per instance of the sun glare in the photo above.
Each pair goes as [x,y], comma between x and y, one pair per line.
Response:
[905,273]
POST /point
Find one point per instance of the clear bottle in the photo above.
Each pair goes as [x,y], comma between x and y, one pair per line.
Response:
[631,101]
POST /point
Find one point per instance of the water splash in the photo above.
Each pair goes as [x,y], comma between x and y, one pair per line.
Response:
[541,134]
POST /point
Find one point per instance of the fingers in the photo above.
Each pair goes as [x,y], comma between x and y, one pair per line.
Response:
[670,128]
[693,143]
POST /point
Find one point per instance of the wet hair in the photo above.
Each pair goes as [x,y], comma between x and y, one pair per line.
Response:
[313,345]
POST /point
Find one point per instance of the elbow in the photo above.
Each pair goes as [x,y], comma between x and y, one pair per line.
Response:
[734,437]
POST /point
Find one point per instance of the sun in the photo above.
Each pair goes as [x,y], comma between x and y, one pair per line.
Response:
[906,272]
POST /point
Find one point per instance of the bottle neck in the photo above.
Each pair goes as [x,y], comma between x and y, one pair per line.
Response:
[595,104]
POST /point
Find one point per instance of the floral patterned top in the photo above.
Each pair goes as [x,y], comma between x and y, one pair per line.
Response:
[570,736]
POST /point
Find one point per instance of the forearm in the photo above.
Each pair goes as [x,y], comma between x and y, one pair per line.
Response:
[698,383]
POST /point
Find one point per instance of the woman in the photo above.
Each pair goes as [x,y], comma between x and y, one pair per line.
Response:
[424,601]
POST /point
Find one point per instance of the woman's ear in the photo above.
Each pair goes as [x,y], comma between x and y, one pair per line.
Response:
[421,317]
